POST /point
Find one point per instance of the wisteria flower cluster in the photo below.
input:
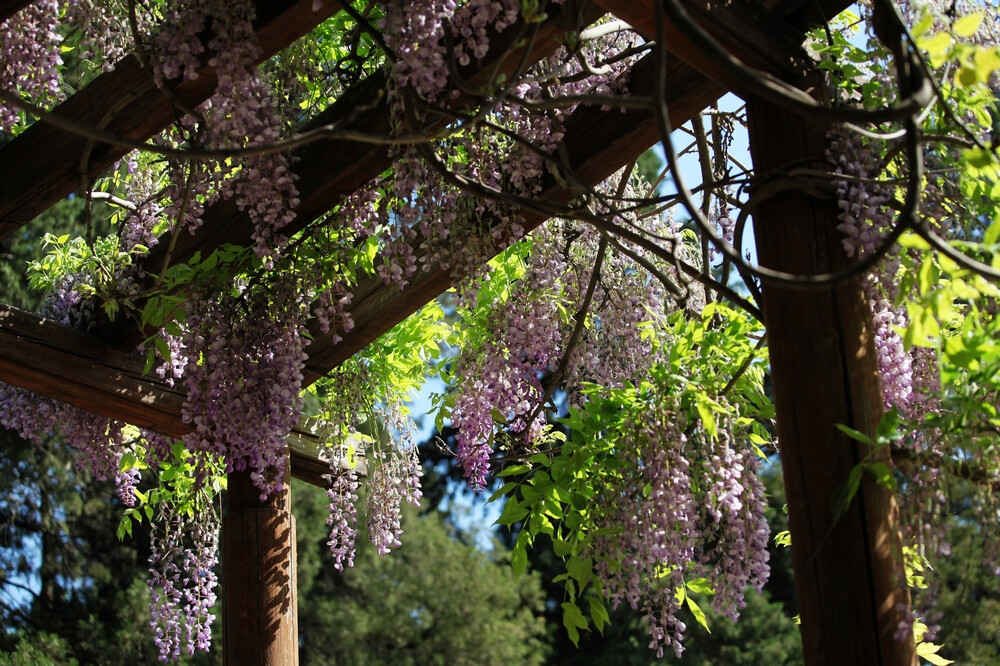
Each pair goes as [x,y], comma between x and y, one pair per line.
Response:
[183,555]
[686,506]
[389,459]
[243,376]
[30,58]
[243,112]
[508,372]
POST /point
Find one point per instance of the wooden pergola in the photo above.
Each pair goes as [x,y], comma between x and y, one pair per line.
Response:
[822,359]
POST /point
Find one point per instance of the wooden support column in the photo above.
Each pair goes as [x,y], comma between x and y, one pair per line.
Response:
[848,572]
[260,605]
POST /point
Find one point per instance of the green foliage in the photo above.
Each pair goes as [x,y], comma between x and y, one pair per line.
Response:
[42,649]
[88,588]
[765,634]
[178,490]
[554,492]
[968,598]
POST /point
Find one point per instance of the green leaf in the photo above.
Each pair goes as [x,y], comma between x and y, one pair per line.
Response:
[561,547]
[846,491]
[992,235]
[700,586]
[539,523]
[162,348]
[855,434]
[579,568]
[599,614]
[150,361]
[699,614]
[707,417]
[211,262]
[929,651]
[882,474]
[572,616]
[519,561]
[513,512]
[887,429]
[506,489]
[513,470]
[930,275]
[968,25]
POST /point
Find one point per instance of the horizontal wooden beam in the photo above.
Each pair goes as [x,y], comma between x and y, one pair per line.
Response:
[63,363]
[43,164]
[69,365]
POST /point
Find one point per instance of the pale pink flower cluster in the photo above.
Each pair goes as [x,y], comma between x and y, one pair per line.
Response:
[30,58]
[685,507]
[505,374]
[243,378]
[183,554]
[243,112]
[342,516]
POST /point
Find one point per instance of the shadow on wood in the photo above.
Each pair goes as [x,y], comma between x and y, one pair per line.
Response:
[258,577]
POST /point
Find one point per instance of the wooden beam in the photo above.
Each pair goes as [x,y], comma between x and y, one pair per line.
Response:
[750,31]
[69,365]
[329,170]
[43,164]
[848,571]
[10,7]
[597,144]
[259,598]
[79,369]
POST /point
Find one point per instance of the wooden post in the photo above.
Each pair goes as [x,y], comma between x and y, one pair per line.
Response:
[259,612]
[848,572]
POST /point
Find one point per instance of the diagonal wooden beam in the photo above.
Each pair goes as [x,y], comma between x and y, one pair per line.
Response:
[10,7]
[750,31]
[597,144]
[80,369]
[45,164]
[329,170]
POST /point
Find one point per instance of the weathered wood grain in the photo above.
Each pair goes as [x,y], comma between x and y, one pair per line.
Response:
[824,372]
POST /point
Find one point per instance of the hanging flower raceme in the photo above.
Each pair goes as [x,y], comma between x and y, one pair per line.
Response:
[243,377]
[30,57]
[685,506]
[183,555]
[243,112]
[510,373]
